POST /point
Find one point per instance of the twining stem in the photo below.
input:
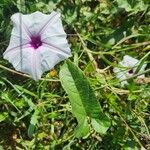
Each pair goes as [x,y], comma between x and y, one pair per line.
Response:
[25,75]
[128,127]
[135,137]
[131,36]
[94,63]
[13,71]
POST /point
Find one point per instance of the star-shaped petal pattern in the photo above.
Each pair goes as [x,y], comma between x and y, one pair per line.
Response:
[38,42]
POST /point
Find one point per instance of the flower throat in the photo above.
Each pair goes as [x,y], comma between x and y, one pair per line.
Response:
[36,42]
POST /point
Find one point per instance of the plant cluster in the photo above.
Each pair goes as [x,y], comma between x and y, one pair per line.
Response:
[81,103]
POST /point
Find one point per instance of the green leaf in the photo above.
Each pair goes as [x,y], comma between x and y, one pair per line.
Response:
[31,130]
[23,90]
[1,148]
[2,86]
[83,101]
[3,116]
[99,125]
[7,98]
[142,62]
[82,128]
[33,122]
[120,32]
[132,5]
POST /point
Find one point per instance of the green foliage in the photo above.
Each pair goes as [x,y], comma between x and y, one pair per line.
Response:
[134,6]
[51,113]
[83,101]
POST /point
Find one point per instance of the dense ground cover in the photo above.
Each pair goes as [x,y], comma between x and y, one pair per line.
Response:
[38,114]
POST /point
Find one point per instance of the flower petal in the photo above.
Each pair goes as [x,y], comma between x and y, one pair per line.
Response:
[121,75]
[52,49]
[29,63]
[54,37]
[20,28]
[37,22]
[16,44]
[54,29]
[49,58]
[129,61]
[122,72]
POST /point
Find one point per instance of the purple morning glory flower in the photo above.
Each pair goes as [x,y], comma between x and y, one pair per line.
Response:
[38,42]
